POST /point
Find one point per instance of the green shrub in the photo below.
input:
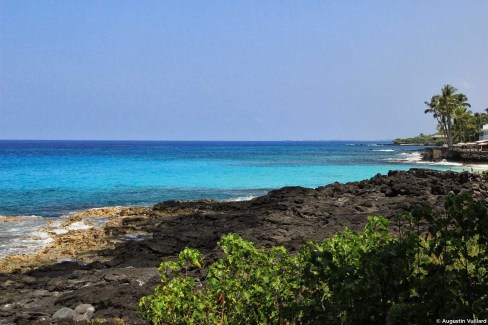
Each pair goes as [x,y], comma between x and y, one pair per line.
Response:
[484,175]
[415,275]
[247,286]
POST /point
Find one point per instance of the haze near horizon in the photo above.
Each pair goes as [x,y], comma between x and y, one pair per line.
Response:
[235,71]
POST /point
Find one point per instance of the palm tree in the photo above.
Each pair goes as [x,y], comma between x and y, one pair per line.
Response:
[463,124]
[442,107]
[479,120]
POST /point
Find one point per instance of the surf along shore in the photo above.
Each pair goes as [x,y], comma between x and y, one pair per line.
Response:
[469,160]
[104,267]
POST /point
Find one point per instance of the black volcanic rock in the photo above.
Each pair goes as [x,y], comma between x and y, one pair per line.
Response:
[289,216]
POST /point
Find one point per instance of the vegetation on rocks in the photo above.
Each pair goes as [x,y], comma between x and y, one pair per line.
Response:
[484,175]
[422,140]
[431,266]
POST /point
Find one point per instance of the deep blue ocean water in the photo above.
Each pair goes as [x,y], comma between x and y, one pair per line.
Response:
[50,178]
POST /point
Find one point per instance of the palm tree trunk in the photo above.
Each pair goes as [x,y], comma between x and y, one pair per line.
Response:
[448,131]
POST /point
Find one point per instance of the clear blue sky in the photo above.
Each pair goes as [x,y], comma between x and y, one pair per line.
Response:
[229,70]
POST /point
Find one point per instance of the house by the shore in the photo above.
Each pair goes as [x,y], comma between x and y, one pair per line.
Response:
[484,133]
[440,136]
[464,152]
[477,153]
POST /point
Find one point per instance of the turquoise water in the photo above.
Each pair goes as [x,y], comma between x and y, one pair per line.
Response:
[50,178]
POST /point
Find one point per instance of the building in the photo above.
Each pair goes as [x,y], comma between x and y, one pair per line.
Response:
[439,136]
[484,132]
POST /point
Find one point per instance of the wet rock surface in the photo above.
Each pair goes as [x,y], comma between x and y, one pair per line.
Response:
[104,281]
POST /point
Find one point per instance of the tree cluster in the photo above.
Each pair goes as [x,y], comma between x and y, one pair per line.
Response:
[454,119]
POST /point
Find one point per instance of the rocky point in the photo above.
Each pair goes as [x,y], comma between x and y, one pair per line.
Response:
[100,274]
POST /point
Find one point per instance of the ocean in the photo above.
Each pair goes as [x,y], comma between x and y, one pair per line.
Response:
[52,178]
[43,180]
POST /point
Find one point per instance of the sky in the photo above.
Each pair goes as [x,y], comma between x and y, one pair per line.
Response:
[235,70]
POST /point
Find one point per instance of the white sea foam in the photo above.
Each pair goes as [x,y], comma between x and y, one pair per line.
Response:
[22,235]
[23,218]
[416,158]
[443,162]
[41,237]
[55,227]
[476,167]
[384,150]
[26,234]
[79,225]
[240,198]
[137,236]
[60,231]
[412,157]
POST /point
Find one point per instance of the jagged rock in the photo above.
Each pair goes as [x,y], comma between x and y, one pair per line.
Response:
[28,279]
[64,313]
[84,312]
[8,283]
[111,277]
[112,273]
[57,285]
[84,308]
[31,316]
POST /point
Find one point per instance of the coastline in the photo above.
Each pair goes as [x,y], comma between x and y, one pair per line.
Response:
[50,230]
[56,178]
[54,235]
[67,238]
[473,161]
[111,266]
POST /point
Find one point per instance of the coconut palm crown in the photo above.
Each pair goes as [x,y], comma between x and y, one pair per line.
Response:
[445,107]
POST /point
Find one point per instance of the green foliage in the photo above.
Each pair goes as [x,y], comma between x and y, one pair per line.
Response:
[459,260]
[484,175]
[446,108]
[422,139]
[247,286]
[450,109]
[433,266]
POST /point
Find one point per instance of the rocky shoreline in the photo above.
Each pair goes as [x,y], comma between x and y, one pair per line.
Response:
[455,155]
[100,273]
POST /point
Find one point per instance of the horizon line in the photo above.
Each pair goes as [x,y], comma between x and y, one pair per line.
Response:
[189,140]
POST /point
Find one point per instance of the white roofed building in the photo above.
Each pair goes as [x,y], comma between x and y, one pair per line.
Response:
[484,132]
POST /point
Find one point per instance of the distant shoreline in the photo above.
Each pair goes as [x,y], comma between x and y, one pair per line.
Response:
[208,141]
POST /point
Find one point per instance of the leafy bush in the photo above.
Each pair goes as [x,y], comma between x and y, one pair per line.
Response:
[484,175]
[416,275]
